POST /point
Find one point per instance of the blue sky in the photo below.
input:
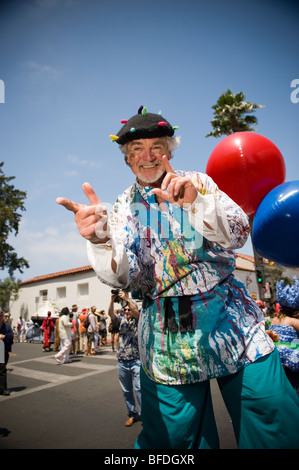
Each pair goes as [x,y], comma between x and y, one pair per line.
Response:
[72,69]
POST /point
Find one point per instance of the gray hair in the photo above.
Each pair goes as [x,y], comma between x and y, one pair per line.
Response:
[172,143]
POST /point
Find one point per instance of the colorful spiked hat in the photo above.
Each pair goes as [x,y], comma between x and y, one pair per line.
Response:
[143,125]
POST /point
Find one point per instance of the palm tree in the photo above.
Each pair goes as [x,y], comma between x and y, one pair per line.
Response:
[231,114]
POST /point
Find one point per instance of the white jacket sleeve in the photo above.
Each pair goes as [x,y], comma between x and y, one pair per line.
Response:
[100,257]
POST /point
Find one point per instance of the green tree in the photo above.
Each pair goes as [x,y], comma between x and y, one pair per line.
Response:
[9,292]
[11,203]
[232,114]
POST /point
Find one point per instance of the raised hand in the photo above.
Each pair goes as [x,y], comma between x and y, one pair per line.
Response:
[175,189]
[91,219]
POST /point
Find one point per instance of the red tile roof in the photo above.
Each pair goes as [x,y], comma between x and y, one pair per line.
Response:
[247,257]
[46,277]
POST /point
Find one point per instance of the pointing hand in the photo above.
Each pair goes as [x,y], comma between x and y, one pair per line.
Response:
[175,189]
[91,219]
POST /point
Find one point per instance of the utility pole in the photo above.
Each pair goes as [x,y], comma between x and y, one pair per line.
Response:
[259,269]
[260,274]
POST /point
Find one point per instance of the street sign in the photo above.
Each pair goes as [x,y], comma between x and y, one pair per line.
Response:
[267,291]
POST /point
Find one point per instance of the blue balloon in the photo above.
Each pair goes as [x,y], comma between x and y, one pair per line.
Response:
[275,231]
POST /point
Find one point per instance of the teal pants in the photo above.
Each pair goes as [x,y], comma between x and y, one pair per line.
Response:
[263,406]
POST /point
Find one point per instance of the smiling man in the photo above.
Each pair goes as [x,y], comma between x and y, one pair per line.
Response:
[143,156]
[170,240]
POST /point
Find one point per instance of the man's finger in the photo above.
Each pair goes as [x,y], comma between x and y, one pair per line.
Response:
[167,165]
[89,192]
[166,181]
[161,195]
[69,205]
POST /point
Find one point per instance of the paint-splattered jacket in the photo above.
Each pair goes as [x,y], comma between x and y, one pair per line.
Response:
[164,251]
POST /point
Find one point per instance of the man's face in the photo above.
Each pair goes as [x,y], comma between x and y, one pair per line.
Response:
[128,312]
[145,159]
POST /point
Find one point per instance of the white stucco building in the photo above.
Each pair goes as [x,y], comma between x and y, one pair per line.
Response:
[61,289]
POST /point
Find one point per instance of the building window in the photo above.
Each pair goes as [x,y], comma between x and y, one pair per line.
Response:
[83,290]
[61,293]
[43,294]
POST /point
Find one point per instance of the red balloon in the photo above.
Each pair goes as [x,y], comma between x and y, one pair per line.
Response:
[246,166]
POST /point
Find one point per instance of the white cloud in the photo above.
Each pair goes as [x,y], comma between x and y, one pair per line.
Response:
[74,160]
[72,173]
[41,70]
[49,249]
[40,187]
[52,231]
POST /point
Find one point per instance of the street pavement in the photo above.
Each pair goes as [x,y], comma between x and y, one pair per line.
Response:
[74,406]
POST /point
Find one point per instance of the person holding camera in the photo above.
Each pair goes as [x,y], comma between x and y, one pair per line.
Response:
[127,353]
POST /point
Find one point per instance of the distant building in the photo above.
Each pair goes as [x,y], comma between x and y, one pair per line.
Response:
[82,287]
[61,289]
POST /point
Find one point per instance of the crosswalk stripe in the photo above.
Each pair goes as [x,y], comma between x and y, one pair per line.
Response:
[74,364]
[52,379]
[38,375]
